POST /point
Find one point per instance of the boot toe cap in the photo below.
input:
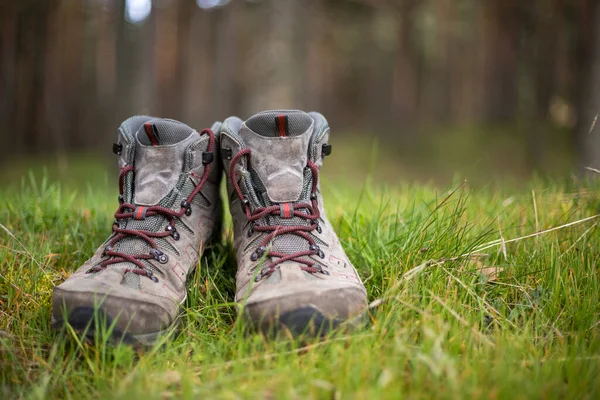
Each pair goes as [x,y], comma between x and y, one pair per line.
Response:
[311,307]
[85,305]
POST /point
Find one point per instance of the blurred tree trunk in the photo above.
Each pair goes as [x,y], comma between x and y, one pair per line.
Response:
[316,89]
[62,80]
[136,49]
[197,92]
[31,59]
[464,81]
[8,69]
[444,69]
[501,31]
[226,59]
[548,14]
[125,58]
[379,52]
[405,84]
[588,142]
[106,73]
[543,17]
[274,87]
[170,22]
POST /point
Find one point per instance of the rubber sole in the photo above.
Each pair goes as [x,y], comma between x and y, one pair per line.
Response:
[305,322]
[89,322]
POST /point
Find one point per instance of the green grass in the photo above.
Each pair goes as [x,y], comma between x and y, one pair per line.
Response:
[521,322]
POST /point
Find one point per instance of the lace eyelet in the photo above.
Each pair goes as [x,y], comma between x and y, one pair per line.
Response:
[244,203]
[174,234]
[159,256]
[258,252]
[319,229]
[321,269]
[107,248]
[188,207]
[150,275]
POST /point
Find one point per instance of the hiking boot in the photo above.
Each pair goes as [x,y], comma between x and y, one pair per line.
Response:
[169,209]
[292,270]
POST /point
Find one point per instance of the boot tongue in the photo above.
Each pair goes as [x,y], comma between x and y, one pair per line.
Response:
[159,157]
[279,143]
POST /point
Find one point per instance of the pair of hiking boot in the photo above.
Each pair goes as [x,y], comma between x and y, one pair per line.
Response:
[292,271]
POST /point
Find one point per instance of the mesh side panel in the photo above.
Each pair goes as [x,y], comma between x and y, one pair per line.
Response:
[188,187]
[307,186]
[285,243]
[173,199]
[290,244]
[132,280]
[131,125]
[154,223]
[293,243]
[265,123]
[180,226]
[135,245]
[256,181]
[167,132]
[256,241]
[321,127]
[165,245]
[320,123]
[128,183]
[193,154]
[153,268]
[247,188]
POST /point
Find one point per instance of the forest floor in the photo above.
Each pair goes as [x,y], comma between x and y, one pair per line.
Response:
[476,292]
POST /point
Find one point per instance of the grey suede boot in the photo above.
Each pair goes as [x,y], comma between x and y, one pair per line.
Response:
[169,210]
[292,270]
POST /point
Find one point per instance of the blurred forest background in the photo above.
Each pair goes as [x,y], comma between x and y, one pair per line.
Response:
[501,85]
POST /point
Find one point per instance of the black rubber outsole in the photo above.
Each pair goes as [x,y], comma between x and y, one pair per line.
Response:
[304,322]
[87,321]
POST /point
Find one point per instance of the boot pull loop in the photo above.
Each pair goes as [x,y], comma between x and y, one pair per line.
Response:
[117,148]
[207,157]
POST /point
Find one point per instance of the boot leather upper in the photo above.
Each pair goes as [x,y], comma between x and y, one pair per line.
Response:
[164,174]
[277,174]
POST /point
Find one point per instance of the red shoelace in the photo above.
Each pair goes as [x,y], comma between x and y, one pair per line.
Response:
[128,211]
[304,210]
